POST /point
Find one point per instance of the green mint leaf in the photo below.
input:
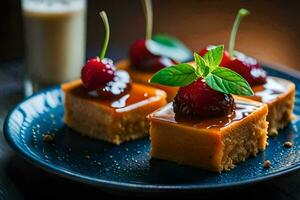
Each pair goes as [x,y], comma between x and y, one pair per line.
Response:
[227,81]
[167,40]
[201,66]
[177,75]
[164,45]
[218,78]
[214,57]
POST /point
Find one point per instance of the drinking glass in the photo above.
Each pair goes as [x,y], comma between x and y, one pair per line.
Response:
[55,40]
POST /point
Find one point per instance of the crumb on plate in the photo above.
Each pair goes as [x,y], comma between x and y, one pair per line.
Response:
[48,138]
[267,164]
[288,144]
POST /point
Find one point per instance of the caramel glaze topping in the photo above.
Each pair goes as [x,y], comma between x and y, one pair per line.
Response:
[269,91]
[242,109]
[116,94]
[120,102]
[136,96]
[119,86]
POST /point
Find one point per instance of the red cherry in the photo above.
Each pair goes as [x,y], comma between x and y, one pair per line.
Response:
[119,86]
[198,100]
[156,63]
[138,52]
[96,73]
[144,60]
[247,67]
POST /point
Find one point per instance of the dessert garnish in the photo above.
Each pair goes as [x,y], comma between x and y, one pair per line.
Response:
[157,52]
[99,75]
[190,101]
[205,90]
[246,66]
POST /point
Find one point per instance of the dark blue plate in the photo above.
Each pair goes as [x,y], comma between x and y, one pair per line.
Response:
[128,166]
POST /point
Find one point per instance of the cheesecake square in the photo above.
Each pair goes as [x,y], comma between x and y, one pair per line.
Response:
[279,95]
[144,77]
[212,144]
[116,120]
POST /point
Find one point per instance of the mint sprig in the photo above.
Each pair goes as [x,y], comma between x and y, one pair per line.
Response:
[214,57]
[207,67]
[228,81]
[177,75]
[201,66]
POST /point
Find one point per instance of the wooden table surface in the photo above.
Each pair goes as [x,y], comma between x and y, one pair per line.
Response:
[21,180]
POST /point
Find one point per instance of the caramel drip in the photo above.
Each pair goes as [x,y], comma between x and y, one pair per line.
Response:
[242,109]
[271,90]
[132,97]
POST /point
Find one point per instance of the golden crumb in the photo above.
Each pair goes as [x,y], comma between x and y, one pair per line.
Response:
[267,164]
[288,144]
[48,138]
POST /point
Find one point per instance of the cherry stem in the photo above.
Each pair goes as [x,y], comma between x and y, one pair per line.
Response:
[147,5]
[241,14]
[107,33]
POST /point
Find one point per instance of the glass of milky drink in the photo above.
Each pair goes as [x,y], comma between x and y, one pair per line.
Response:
[54,41]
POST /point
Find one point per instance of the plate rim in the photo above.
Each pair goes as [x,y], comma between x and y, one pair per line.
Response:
[135,187]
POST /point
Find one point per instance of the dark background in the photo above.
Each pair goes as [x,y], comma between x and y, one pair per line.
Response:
[271,33]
